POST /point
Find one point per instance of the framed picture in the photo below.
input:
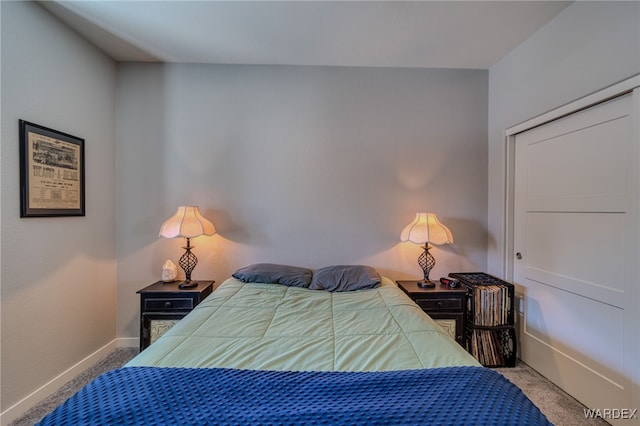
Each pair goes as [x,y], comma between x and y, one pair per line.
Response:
[51,172]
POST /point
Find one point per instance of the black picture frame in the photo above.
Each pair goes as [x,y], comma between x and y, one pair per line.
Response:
[52,171]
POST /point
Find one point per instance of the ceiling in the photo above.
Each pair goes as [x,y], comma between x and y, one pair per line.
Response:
[431,34]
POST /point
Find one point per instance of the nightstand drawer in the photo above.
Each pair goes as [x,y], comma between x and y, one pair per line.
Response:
[439,304]
[168,304]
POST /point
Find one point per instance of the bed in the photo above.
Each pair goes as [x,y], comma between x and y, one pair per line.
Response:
[266,348]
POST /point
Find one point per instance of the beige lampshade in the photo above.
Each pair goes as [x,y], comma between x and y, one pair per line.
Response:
[426,228]
[187,222]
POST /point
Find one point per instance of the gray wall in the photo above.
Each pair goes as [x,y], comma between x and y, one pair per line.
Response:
[587,47]
[58,274]
[309,166]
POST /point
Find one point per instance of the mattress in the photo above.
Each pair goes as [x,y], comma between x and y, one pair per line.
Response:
[254,353]
[274,327]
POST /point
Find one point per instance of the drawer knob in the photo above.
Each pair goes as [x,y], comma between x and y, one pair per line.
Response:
[439,304]
[167,304]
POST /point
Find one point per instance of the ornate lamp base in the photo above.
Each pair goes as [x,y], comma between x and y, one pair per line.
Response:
[187,262]
[426,284]
[426,262]
[187,284]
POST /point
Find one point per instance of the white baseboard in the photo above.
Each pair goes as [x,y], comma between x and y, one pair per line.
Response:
[22,406]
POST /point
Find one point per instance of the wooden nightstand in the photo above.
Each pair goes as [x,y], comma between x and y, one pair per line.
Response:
[444,304]
[162,305]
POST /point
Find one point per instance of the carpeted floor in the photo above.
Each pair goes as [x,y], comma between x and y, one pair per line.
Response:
[115,359]
[560,408]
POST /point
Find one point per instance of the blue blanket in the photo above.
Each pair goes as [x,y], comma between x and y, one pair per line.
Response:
[212,396]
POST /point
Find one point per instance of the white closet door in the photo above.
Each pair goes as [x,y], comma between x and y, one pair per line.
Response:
[577,250]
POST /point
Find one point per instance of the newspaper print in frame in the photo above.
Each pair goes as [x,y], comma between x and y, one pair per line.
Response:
[51,172]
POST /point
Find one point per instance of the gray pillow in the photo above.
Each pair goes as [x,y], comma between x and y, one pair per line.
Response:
[345,278]
[270,273]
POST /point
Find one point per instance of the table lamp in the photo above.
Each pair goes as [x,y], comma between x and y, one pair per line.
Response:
[425,229]
[189,223]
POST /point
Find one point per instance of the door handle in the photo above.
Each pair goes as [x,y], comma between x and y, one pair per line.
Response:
[519,256]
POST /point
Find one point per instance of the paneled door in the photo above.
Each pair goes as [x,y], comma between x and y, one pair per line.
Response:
[576,251]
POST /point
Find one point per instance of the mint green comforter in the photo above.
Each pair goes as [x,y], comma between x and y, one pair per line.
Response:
[274,327]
